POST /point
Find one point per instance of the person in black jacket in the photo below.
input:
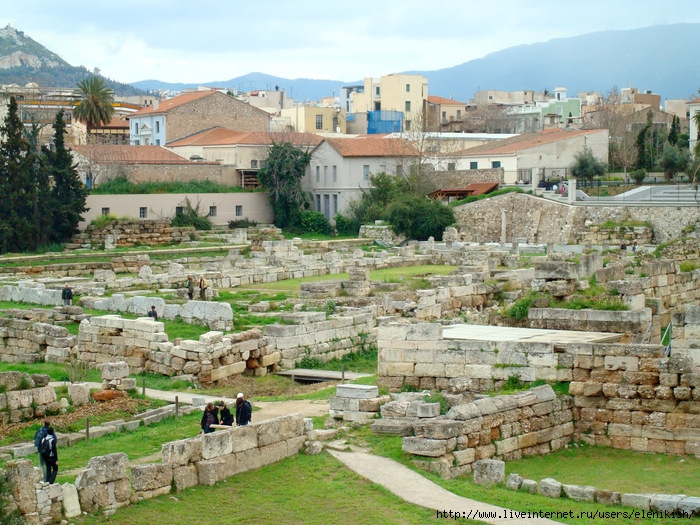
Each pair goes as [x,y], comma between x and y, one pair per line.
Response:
[67,295]
[209,418]
[50,457]
[244,411]
[226,418]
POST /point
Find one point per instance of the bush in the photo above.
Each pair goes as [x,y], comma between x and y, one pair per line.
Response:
[122,186]
[315,222]
[346,225]
[521,308]
[419,218]
[241,223]
[103,220]
[191,216]
[638,175]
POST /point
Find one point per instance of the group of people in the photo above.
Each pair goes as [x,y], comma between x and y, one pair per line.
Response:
[221,415]
[201,283]
[45,442]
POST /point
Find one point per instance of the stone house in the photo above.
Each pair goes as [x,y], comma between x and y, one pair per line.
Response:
[397,92]
[242,152]
[340,168]
[114,132]
[444,114]
[534,156]
[193,112]
[311,119]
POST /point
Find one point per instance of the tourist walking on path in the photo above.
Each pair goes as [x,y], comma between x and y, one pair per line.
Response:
[190,287]
[67,295]
[202,288]
[244,411]
[209,418]
[50,455]
[38,436]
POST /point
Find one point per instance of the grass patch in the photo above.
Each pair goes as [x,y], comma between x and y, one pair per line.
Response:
[595,303]
[521,307]
[625,224]
[313,490]
[56,371]
[364,361]
[689,266]
[122,186]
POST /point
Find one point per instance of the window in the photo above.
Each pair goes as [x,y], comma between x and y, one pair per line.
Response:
[474,165]
[157,126]
[143,212]
[239,211]
[459,113]
[157,142]
[319,121]
[335,204]
[137,142]
[376,90]
[407,106]
[179,210]
[212,211]
[496,164]
[136,128]
[408,88]
[365,172]
[325,174]
[382,168]
[253,163]
[450,166]
[318,202]
[444,115]
[335,173]
[105,211]
[318,173]
[327,206]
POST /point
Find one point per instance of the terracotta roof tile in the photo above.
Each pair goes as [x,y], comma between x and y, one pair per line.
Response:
[122,154]
[224,137]
[174,102]
[444,101]
[372,147]
[512,145]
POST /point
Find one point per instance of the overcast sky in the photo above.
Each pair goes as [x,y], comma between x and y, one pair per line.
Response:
[201,41]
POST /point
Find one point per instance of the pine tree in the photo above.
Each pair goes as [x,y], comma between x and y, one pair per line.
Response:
[18,194]
[68,195]
[675,129]
[38,194]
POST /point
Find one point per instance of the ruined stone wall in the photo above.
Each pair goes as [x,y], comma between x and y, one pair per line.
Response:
[311,334]
[617,384]
[128,233]
[544,221]
[32,340]
[215,172]
[108,483]
[616,322]
[24,397]
[463,178]
[143,345]
[507,427]
[616,235]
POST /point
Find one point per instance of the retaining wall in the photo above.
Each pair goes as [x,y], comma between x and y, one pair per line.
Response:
[24,397]
[108,483]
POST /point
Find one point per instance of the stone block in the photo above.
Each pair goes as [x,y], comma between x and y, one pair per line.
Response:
[690,506]
[152,476]
[185,477]
[464,457]
[394,427]
[357,391]
[424,447]
[489,472]
[637,501]
[550,487]
[423,410]
[665,502]
[216,444]
[529,486]
[183,451]
[607,497]
[579,492]
[208,470]
[514,481]
[70,501]
[344,403]
[394,409]
[79,394]
[243,438]
[108,468]
[439,429]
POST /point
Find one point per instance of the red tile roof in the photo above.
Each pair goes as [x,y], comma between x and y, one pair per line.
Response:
[174,102]
[224,137]
[117,122]
[372,147]
[479,188]
[444,101]
[512,145]
[696,101]
[119,154]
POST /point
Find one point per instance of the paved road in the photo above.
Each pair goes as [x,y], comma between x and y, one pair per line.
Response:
[414,488]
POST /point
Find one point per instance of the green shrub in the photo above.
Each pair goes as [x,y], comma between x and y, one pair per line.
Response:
[315,222]
[103,220]
[312,363]
[520,308]
[191,216]
[475,198]
[419,218]
[689,266]
[638,175]
[122,186]
[346,225]
[241,223]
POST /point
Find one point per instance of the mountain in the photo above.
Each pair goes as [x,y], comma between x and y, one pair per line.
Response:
[298,88]
[663,59]
[23,60]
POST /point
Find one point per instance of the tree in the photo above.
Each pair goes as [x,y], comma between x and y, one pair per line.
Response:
[673,160]
[696,149]
[68,194]
[586,166]
[281,176]
[17,188]
[96,102]
[649,144]
[419,217]
[675,131]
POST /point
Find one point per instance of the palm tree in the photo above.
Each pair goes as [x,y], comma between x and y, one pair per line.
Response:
[95,106]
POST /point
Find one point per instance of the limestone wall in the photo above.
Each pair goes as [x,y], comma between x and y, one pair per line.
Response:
[544,221]
[29,341]
[620,322]
[24,397]
[129,233]
[143,345]
[311,334]
[507,427]
[108,482]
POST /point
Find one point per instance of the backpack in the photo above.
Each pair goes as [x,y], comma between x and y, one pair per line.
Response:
[38,436]
[45,446]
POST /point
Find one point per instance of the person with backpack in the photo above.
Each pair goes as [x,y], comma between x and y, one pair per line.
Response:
[48,452]
[209,418]
[226,418]
[244,411]
[38,436]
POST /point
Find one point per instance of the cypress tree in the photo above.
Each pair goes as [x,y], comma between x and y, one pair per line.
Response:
[17,193]
[68,193]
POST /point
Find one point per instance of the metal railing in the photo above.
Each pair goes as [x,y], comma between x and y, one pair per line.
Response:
[667,332]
